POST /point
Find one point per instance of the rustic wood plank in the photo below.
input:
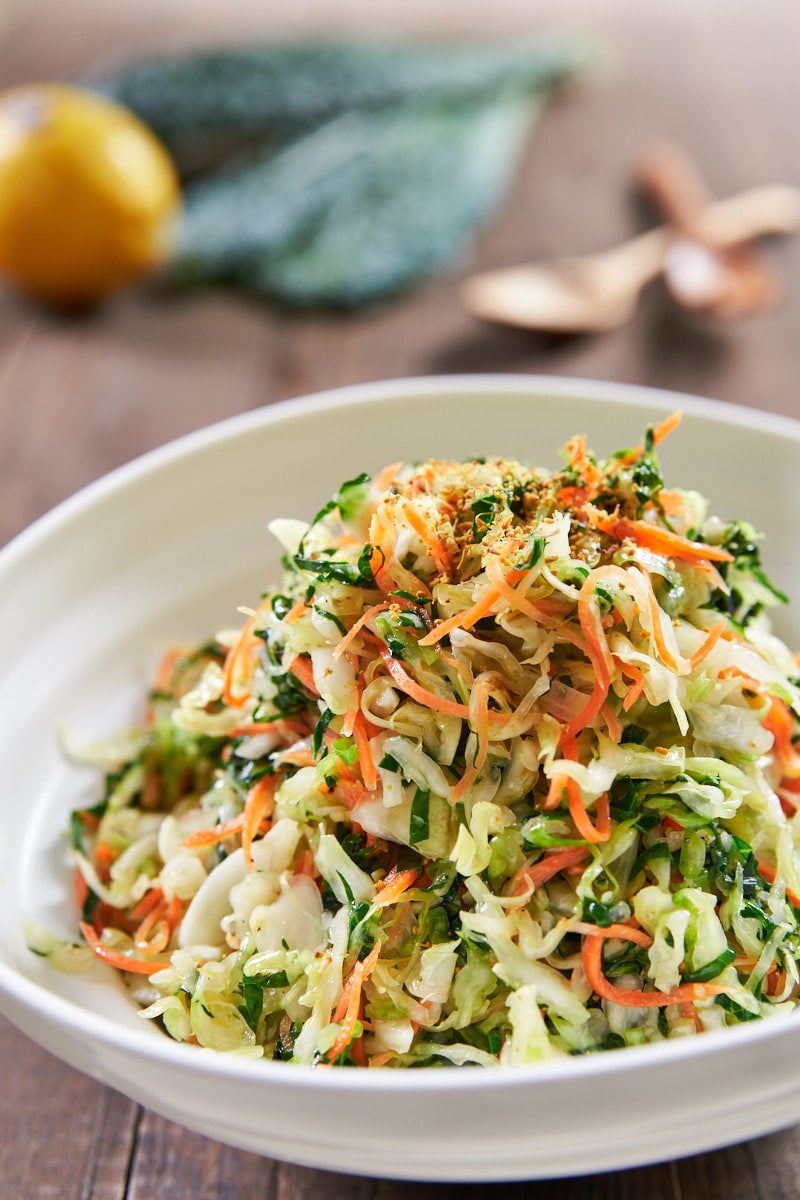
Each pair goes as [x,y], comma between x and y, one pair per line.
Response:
[654,1183]
[108,1161]
[171,1162]
[302,1183]
[767,1168]
[64,1135]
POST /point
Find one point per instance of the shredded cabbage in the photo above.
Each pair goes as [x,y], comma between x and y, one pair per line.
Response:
[504,770]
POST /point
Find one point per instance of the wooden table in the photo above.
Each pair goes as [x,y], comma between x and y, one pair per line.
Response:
[79,397]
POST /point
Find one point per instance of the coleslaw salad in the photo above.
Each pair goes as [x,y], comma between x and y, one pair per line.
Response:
[503,771]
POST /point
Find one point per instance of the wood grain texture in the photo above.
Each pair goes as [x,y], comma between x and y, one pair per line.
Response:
[80,397]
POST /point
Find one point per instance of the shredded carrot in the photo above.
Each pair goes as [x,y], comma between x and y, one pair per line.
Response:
[147,925]
[612,723]
[637,675]
[666,427]
[670,502]
[298,609]
[377,564]
[768,872]
[544,612]
[209,837]
[425,697]
[348,721]
[465,782]
[163,676]
[166,668]
[251,728]
[365,759]
[598,652]
[479,712]
[529,878]
[594,834]
[671,545]
[625,932]
[297,758]
[104,855]
[258,806]
[88,819]
[355,629]
[433,543]
[301,668]
[122,962]
[662,430]
[679,665]
[462,620]
[689,1013]
[592,957]
[383,481]
[238,666]
[351,995]
[582,464]
[580,817]
[789,803]
[81,889]
[175,912]
[305,864]
[778,722]
[556,793]
[351,792]
[592,624]
[395,885]
[733,672]
[148,902]
[380,1060]
[390,574]
[155,939]
[708,645]
[419,693]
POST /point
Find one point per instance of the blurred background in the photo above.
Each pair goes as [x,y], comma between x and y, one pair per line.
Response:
[718,78]
[85,388]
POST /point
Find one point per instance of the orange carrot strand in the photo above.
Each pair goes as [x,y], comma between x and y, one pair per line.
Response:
[395,885]
[122,962]
[238,666]
[355,629]
[670,545]
[433,543]
[707,646]
[258,806]
[301,668]
[360,973]
[662,430]
[628,933]
[529,878]
[592,958]
[462,620]
[768,872]
[367,763]
[209,837]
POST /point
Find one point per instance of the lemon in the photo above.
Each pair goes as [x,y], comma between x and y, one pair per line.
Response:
[89,199]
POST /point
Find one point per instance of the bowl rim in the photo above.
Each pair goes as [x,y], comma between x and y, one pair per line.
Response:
[42,1003]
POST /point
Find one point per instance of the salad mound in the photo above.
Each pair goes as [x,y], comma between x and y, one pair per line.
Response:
[503,770]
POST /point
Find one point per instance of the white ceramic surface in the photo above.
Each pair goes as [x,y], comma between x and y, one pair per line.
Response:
[165,549]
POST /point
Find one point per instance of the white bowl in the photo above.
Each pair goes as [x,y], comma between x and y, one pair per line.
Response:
[165,549]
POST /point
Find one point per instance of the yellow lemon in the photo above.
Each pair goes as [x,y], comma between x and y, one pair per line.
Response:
[89,199]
